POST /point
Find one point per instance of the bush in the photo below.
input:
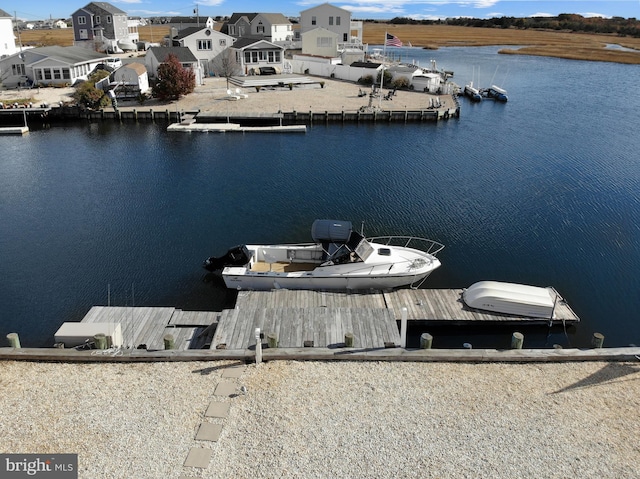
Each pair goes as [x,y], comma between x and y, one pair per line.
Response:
[366,80]
[400,83]
[88,95]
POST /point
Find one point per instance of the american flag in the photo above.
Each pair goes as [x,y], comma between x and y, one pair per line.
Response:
[392,41]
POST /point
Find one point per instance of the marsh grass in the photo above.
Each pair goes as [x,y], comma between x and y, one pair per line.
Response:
[576,46]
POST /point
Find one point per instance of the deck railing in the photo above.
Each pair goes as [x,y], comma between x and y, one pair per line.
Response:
[423,244]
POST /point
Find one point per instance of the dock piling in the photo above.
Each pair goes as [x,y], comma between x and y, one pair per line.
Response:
[517,339]
[169,341]
[14,340]
[100,341]
[426,340]
[348,340]
[598,340]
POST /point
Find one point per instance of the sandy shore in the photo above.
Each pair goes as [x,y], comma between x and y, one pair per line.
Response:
[212,97]
[346,419]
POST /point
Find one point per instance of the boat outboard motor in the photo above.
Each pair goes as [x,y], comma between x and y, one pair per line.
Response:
[236,256]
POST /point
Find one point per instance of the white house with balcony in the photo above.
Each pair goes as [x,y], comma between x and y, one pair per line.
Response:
[206,44]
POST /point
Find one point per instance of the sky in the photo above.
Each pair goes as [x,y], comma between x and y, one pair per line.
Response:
[360,9]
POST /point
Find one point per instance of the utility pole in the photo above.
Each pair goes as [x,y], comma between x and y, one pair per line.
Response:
[196,11]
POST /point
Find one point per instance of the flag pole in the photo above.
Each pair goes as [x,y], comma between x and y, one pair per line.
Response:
[384,57]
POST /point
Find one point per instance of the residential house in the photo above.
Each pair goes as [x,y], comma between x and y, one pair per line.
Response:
[130,80]
[157,55]
[334,19]
[7,39]
[320,42]
[273,27]
[177,24]
[101,26]
[206,44]
[50,65]
[253,55]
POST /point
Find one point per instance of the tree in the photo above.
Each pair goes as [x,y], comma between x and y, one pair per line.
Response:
[173,80]
[226,66]
[88,95]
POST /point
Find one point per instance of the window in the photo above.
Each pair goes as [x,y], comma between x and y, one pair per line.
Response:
[17,69]
[47,73]
[38,74]
[330,20]
[337,20]
[65,74]
[254,57]
[82,20]
[271,57]
[324,42]
[232,29]
[57,74]
[97,19]
[260,28]
[223,42]
[204,45]
[345,37]
[313,20]
[247,57]
[108,19]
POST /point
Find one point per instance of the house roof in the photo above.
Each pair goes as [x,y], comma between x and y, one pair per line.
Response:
[323,5]
[275,18]
[107,7]
[70,55]
[185,32]
[248,42]
[237,16]
[183,54]
[139,68]
[4,14]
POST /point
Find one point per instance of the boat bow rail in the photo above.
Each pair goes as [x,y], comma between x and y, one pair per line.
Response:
[423,244]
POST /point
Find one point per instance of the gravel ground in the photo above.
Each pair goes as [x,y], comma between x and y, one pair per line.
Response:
[343,419]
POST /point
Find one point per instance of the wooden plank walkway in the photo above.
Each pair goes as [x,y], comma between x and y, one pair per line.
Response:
[326,326]
[447,305]
[282,298]
[148,325]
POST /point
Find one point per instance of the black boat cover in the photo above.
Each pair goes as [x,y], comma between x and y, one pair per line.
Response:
[333,231]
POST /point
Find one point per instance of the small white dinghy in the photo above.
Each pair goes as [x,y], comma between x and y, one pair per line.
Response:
[512,299]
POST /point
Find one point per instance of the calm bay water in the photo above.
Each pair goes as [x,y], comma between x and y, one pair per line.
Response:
[543,190]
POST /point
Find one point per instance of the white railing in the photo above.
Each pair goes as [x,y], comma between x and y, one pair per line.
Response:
[428,246]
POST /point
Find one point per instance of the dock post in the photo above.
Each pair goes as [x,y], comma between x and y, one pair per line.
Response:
[348,340]
[100,340]
[403,328]
[169,341]
[258,346]
[14,340]
[516,340]
[272,340]
[598,340]
[425,341]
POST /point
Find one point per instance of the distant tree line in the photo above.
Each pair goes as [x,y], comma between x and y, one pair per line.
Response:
[566,22]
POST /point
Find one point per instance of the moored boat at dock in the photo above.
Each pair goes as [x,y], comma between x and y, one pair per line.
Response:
[497,93]
[338,259]
[471,92]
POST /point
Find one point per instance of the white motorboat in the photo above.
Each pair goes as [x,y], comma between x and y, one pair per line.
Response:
[512,299]
[338,259]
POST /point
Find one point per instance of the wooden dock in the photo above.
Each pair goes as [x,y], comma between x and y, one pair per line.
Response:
[146,327]
[301,319]
[446,305]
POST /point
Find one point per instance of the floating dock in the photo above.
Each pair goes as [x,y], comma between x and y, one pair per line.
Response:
[14,130]
[235,128]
